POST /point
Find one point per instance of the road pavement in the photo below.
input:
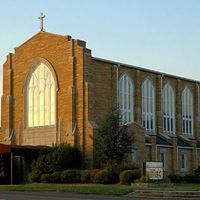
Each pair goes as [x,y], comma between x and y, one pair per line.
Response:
[8,195]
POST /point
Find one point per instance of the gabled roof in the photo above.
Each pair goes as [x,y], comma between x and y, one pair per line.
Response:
[161,141]
[182,143]
[44,33]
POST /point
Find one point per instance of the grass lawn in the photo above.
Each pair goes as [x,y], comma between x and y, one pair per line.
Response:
[74,188]
[187,186]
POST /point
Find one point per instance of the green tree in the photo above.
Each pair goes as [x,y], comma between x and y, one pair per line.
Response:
[112,141]
[57,158]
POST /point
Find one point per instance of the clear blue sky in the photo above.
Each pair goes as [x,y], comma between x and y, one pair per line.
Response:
[163,35]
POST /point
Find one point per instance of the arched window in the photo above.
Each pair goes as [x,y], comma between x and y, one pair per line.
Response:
[148,105]
[168,109]
[41,97]
[187,112]
[126,98]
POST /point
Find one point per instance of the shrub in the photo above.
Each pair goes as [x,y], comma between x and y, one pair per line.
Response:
[129,176]
[106,176]
[33,177]
[85,176]
[71,176]
[192,178]
[197,171]
[56,177]
[164,180]
[175,178]
[46,178]
[93,173]
[57,158]
[143,179]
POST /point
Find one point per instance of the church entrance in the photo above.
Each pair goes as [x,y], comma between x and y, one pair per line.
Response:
[15,162]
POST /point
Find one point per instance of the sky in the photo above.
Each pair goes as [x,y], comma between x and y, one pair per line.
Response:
[162,35]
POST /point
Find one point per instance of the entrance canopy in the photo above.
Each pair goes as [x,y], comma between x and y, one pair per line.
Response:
[19,149]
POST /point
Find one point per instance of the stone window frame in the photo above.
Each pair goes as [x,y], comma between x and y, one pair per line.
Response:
[127,111]
[185,156]
[168,102]
[165,167]
[32,68]
[187,112]
[148,103]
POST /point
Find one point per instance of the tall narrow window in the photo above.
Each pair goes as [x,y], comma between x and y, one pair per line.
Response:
[163,160]
[126,98]
[183,161]
[187,112]
[148,105]
[41,97]
[168,110]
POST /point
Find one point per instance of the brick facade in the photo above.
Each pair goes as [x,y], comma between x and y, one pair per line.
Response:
[86,91]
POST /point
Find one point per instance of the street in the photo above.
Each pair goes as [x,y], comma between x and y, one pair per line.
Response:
[8,195]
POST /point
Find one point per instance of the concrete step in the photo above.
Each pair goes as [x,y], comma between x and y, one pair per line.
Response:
[159,198]
[159,194]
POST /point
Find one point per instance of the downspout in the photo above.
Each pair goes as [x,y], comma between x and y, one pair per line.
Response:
[161,93]
[198,100]
[117,86]
[117,82]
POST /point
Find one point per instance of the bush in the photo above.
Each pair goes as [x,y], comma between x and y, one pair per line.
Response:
[192,178]
[106,176]
[46,178]
[71,176]
[85,176]
[143,179]
[33,177]
[175,178]
[57,158]
[129,176]
[93,173]
[56,177]
[197,171]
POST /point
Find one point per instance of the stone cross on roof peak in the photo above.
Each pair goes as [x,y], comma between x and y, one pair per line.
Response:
[41,18]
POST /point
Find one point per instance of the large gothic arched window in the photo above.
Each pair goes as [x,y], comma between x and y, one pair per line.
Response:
[126,98]
[187,112]
[41,97]
[148,105]
[168,109]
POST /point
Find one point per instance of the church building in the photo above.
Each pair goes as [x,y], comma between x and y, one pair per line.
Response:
[55,91]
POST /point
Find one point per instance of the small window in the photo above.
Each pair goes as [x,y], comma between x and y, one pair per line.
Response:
[183,161]
[163,160]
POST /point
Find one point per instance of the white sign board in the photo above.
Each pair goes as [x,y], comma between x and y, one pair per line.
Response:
[154,170]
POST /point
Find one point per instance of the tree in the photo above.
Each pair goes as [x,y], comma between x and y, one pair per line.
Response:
[57,158]
[112,141]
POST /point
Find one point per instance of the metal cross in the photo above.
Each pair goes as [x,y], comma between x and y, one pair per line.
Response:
[41,18]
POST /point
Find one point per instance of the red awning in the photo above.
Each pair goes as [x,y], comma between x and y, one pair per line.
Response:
[4,148]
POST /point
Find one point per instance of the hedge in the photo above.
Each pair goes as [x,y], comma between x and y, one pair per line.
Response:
[129,176]
[71,176]
[106,176]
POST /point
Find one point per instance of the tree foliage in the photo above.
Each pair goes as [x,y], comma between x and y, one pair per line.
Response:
[57,158]
[112,141]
